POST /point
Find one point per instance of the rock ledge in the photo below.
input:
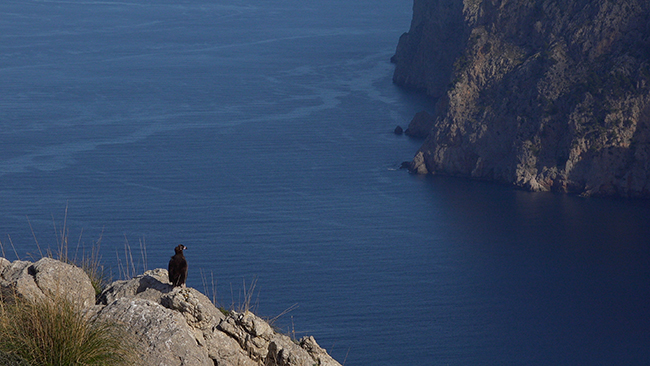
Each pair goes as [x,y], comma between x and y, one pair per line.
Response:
[173,326]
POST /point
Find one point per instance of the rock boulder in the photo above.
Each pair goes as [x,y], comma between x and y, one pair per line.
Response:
[46,278]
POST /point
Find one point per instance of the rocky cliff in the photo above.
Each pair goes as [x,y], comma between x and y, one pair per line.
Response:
[542,94]
[172,326]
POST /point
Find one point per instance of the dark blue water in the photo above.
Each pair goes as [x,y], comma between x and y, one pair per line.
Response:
[259,135]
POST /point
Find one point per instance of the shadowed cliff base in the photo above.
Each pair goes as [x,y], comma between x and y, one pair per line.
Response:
[544,95]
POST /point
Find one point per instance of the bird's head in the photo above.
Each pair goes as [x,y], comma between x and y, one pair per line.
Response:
[180,248]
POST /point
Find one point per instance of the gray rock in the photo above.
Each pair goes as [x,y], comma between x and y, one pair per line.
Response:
[420,125]
[54,277]
[163,336]
[198,310]
[46,278]
[283,352]
[418,165]
[16,279]
[308,343]
[425,55]
[251,333]
[151,285]
[270,348]
[4,263]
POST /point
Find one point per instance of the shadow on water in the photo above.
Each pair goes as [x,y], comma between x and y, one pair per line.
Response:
[562,279]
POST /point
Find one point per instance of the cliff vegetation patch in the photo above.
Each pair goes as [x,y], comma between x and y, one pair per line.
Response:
[55,332]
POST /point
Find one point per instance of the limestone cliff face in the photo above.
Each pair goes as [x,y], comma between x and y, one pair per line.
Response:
[542,94]
[425,55]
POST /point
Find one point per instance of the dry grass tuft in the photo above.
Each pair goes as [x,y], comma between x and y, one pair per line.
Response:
[53,332]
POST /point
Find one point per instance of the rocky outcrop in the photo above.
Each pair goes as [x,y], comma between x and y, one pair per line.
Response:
[425,54]
[542,94]
[420,125]
[173,326]
[46,278]
[162,335]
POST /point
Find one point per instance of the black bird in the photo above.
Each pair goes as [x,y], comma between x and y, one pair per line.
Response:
[178,267]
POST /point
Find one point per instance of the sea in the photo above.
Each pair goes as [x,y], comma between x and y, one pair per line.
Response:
[259,133]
